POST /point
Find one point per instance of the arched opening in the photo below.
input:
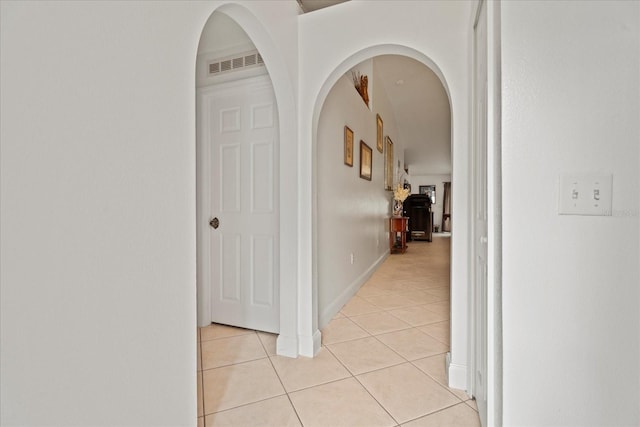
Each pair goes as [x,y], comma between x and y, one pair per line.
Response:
[242,144]
[459,251]
[407,125]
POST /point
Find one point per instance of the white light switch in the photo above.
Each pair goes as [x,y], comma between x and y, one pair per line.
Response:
[585,195]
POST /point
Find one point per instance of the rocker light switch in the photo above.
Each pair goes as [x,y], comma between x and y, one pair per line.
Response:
[585,195]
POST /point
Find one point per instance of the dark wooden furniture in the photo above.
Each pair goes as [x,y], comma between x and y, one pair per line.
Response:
[418,208]
[398,234]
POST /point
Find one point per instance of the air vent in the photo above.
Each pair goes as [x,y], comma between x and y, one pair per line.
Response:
[236,62]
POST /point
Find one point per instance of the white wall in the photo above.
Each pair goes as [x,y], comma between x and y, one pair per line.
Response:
[437,180]
[352,212]
[571,103]
[331,41]
[98,205]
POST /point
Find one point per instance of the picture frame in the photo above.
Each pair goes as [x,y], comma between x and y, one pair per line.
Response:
[429,190]
[388,164]
[379,132]
[366,161]
[348,146]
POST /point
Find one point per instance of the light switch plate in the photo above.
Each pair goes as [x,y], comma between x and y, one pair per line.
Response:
[585,195]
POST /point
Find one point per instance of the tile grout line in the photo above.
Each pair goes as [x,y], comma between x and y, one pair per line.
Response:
[286,392]
[365,388]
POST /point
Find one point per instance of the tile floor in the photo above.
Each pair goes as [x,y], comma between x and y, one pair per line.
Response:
[382,361]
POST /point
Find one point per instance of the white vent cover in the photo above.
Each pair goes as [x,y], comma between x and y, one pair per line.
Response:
[235,62]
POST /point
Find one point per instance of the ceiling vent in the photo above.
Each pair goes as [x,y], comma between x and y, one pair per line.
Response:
[235,62]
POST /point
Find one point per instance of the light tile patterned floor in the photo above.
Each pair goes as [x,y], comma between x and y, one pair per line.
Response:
[382,362]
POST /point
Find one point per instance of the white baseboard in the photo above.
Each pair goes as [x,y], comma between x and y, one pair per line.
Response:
[310,346]
[332,309]
[286,346]
[456,374]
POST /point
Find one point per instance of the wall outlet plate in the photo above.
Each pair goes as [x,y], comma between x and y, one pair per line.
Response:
[585,195]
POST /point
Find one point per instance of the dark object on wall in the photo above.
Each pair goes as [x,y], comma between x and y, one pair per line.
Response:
[361,84]
[446,207]
[418,208]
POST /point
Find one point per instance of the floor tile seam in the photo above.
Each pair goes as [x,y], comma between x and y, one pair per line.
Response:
[361,338]
[436,338]
[467,403]
[445,387]
[387,312]
[414,304]
[232,337]
[389,332]
[315,385]
[221,338]
[421,416]
[244,405]
[341,362]
[389,347]
[415,326]
[234,364]
[434,412]
[350,375]
[284,388]
[227,336]
[428,374]
[377,401]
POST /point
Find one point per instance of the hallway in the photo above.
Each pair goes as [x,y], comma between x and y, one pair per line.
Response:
[382,362]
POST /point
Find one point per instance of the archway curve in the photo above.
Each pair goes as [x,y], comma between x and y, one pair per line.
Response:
[348,63]
[369,53]
[287,343]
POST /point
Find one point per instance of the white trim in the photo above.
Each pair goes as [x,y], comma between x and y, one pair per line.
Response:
[457,375]
[494,214]
[310,346]
[332,309]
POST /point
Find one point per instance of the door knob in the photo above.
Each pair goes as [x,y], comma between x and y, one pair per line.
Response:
[215,223]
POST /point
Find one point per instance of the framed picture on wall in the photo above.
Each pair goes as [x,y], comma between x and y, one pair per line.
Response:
[388,164]
[429,190]
[366,161]
[348,146]
[379,134]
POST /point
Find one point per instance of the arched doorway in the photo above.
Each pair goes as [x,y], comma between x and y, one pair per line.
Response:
[217,62]
[407,124]
[460,250]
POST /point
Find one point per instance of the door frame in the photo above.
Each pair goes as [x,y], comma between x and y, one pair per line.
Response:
[493,306]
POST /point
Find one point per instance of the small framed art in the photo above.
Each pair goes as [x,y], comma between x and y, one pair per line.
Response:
[380,129]
[388,164]
[348,146]
[366,161]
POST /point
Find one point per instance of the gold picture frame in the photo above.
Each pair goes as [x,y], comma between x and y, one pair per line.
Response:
[366,161]
[348,146]
[388,164]
[379,133]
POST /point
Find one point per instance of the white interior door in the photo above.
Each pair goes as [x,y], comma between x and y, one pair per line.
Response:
[480,211]
[240,132]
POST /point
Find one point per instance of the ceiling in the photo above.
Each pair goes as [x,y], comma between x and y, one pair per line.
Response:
[422,113]
[311,5]
[420,103]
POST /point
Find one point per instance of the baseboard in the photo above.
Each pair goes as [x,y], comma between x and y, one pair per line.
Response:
[310,346]
[456,374]
[286,346]
[332,309]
